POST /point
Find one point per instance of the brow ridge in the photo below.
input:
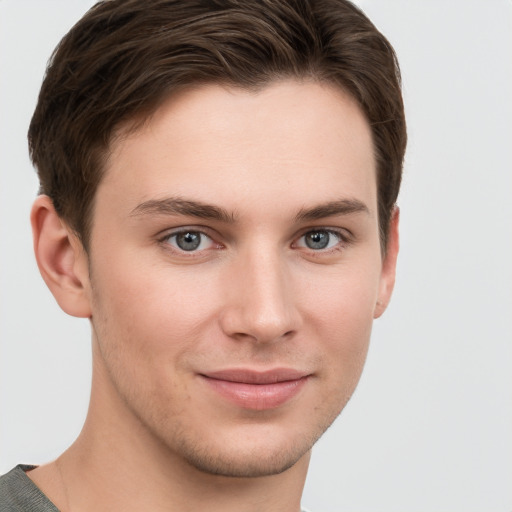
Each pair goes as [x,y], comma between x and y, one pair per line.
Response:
[332,208]
[179,206]
[192,208]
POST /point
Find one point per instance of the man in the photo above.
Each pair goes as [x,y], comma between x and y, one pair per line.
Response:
[218,188]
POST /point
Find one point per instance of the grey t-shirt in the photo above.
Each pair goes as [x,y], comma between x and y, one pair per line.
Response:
[19,494]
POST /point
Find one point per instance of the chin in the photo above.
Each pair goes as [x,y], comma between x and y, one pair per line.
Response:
[251,451]
[244,463]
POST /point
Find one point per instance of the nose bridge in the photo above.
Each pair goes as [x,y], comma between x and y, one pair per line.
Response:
[261,304]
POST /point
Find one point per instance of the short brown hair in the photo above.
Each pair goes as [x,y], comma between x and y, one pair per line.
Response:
[124,57]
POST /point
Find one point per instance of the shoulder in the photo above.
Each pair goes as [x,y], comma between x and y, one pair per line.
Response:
[19,494]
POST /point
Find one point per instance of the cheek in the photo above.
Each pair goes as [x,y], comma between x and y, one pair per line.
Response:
[344,300]
[342,316]
[143,328]
[151,310]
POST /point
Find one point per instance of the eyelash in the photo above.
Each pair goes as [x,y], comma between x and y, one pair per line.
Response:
[344,239]
[165,241]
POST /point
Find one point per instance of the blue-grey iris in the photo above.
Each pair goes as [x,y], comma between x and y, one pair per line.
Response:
[188,241]
[317,239]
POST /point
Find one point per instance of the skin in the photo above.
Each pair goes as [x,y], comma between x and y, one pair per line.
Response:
[284,166]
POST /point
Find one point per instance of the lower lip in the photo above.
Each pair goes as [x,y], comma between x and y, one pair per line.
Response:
[257,396]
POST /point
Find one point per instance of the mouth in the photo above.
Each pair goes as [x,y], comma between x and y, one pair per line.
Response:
[256,390]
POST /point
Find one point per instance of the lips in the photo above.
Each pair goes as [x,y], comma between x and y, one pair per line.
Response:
[256,390]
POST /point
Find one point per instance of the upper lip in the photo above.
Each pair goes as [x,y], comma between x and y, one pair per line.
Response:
[247,376]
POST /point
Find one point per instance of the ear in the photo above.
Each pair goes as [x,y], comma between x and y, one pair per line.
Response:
[61,259]
[387,277]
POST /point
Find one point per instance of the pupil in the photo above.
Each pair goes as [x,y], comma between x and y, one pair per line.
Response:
[317,240]
[188,241]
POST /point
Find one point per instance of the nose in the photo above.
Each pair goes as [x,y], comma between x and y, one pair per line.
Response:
[260,302]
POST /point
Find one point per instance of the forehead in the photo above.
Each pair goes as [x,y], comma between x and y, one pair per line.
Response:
[307,140]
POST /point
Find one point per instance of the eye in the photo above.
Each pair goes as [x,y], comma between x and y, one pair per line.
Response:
[189,241]
[320,239]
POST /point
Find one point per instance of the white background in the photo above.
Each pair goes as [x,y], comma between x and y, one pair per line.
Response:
[430,426]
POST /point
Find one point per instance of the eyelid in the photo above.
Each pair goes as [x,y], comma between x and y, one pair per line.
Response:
[164,235]
[345,238]
[344,235]
[168,232]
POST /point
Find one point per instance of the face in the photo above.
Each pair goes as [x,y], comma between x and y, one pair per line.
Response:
[235,268]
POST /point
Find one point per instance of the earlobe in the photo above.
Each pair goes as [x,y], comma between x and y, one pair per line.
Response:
[387,278]
[61,259]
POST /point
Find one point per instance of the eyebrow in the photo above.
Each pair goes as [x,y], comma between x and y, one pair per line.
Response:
[332,208]
[178,206]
